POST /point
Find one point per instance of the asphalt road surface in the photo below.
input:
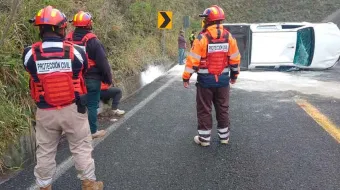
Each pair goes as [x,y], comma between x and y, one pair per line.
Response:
[335,18]
[275,143]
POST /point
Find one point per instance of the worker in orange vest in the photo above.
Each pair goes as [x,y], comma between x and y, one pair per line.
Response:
[108,92]
[99,69]
[216,59]
[56,69]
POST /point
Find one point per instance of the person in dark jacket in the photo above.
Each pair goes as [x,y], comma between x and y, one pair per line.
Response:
[99,69]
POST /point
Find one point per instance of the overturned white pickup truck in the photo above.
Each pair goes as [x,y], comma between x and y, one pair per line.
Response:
[275,45]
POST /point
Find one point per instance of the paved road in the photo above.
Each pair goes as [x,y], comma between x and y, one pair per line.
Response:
[335,17]
[274,144]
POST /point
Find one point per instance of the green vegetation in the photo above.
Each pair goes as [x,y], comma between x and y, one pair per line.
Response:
[128,30]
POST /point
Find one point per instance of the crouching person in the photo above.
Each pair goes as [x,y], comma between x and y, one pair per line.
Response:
[108,92]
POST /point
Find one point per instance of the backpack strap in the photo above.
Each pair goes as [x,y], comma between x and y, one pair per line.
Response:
[36,50]
[69,36]
[87,37]
[68,50]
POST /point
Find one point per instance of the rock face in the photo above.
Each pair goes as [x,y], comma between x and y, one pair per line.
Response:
[22,153]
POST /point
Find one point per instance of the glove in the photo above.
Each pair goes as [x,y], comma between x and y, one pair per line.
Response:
[186,84]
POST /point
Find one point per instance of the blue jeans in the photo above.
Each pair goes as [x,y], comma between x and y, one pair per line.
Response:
[93,97]
[181,54]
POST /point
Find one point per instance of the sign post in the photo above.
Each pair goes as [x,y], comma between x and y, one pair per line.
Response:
[164,22]
[163,43]
[186,23]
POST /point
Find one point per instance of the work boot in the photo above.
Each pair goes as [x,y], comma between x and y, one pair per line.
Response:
[92,185]
[224,141]
[199,142]
[118,112]
[46,188]
[99,134]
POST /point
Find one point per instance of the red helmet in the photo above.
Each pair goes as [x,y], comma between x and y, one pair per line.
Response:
[82,19]
[213,13]
[50,16]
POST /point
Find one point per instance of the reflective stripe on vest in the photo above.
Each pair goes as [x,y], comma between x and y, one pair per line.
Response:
[205,71]
[55,81]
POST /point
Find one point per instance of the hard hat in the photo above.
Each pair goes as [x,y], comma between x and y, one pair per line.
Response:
[82,19]
[213,13]
[50,16]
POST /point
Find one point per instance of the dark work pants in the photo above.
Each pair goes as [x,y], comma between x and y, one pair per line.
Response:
[93,97]
[205,97]
[114,93]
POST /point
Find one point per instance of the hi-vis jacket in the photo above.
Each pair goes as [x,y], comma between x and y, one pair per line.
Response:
[192,37]
[213,55]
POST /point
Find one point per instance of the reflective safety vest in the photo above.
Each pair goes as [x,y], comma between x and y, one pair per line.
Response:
[192,37]
[82,43]
[104,86]
[216,61]
[54,81]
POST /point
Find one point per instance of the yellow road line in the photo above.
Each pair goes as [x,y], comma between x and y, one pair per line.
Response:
[321,119]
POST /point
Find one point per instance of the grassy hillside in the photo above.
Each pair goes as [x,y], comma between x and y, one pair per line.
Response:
[128,30]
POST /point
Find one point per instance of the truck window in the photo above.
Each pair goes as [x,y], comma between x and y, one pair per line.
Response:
[304,47]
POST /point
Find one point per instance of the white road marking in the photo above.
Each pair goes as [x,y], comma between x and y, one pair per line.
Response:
[68,163]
